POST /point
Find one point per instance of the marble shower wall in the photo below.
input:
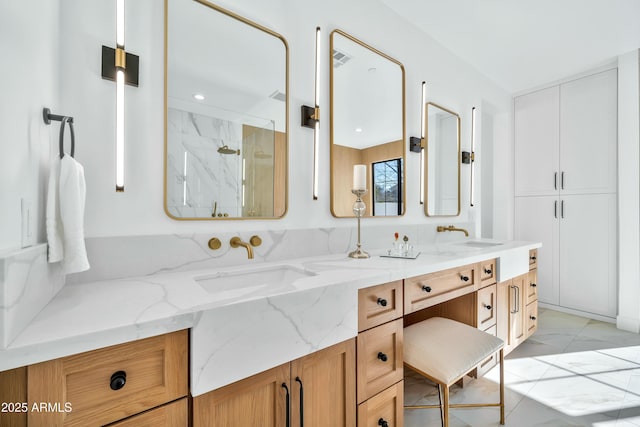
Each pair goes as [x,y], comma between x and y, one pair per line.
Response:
[198,176]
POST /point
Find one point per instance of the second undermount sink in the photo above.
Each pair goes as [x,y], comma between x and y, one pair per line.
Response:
[242,281]
[480,244]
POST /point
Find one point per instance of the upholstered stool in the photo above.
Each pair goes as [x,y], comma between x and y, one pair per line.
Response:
[444,351]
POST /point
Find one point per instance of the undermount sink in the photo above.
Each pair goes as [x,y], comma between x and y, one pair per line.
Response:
[480,244]
[241,281]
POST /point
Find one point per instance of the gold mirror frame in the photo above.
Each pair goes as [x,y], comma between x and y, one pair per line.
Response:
[426,148]
[368,197]
[166,108]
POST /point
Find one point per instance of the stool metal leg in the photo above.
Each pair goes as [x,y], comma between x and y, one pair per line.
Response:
[502,386]
[440,401]
[445,406]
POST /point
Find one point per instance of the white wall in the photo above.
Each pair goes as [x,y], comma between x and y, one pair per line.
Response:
[629,191]
[139,210]
[28,82]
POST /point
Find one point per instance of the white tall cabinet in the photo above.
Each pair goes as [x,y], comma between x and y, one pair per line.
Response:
[565,190]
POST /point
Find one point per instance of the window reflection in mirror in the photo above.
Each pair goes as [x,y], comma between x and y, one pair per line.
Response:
[442,162]
[387,188]
[226,115]
[367,125]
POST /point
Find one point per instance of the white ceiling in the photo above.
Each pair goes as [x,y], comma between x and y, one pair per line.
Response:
[523,44]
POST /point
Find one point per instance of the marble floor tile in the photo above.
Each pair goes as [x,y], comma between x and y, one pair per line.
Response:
[572,372]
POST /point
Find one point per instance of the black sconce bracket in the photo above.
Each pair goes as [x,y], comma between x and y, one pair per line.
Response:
[415,144]
[468,157]
[309,116]
[109,67]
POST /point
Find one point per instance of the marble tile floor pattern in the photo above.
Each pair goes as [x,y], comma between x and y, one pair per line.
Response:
[572,371]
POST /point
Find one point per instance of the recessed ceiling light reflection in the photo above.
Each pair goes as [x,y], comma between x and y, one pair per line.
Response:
[358,130]
[198,96]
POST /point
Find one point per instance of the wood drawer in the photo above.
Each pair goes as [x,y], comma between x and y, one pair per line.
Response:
[156,373]
[487,308]
[379,304]
[491,361]
[385,406]
[533,259]
[380,362]
[174,414]
[531,318]
[433,288]
[531,288]
[487,272]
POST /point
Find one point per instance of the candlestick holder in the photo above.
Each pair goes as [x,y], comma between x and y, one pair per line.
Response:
[359,209]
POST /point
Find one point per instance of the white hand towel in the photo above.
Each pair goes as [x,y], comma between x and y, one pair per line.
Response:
[54,225]
[72,193]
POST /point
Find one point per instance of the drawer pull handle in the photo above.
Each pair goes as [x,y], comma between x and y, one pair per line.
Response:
[382,302]
[488,307]
[288,404]
[533,285]
[532,317]
[118,380]
[464,278]
[487,271]
[426,288]
[382,356]
[383,423]
[533,258]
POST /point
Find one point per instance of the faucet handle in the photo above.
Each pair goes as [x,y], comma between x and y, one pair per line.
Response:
[255,241]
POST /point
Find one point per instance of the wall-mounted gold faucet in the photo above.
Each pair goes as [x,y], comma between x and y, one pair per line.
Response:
[236,242]
[442,228]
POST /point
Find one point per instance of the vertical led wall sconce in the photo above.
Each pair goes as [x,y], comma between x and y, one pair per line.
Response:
[310,117]
[472,157]
[423,135]
[121,67]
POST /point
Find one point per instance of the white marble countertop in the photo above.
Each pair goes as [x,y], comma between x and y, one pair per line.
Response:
[88,316]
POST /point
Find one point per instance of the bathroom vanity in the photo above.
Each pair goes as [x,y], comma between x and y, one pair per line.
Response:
[316,338]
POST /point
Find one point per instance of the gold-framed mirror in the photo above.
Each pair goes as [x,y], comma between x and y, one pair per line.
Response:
[367,127]
[226,115]
[442,161]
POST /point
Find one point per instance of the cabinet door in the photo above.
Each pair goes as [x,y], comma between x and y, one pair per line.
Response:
[487,308]
[324,387]
[174,414]
[259,400]
[537,219]
[536,136]
[588,254]
[588,134]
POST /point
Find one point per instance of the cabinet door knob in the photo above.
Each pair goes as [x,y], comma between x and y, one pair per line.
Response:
[383,423]
[487,306]
[532,317]
[382,356]
[464,278]
[426,288]
[533,285]
[118,380]
[533,258]
[488,271]
[382,302]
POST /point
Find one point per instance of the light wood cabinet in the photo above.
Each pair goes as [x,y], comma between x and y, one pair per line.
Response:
[169,415]
[517,310]
[319,390]
[430,289]
[379,304]
[386,407]
[486,307]
[487,272]
[106,385]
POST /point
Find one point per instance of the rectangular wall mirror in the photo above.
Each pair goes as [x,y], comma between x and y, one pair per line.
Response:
[226,115]
[367,127]
[442,149]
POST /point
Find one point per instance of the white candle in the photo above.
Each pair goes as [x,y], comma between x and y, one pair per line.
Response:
[359,177]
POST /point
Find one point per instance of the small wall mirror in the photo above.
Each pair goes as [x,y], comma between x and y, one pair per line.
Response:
[442,149]
[367,127]
[226,115]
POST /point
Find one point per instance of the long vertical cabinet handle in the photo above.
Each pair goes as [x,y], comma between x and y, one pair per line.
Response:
[514,311]
[298,380]
[555,209]
[562,209]
[562,180]
[518,299]
[555,181]
[287,405]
